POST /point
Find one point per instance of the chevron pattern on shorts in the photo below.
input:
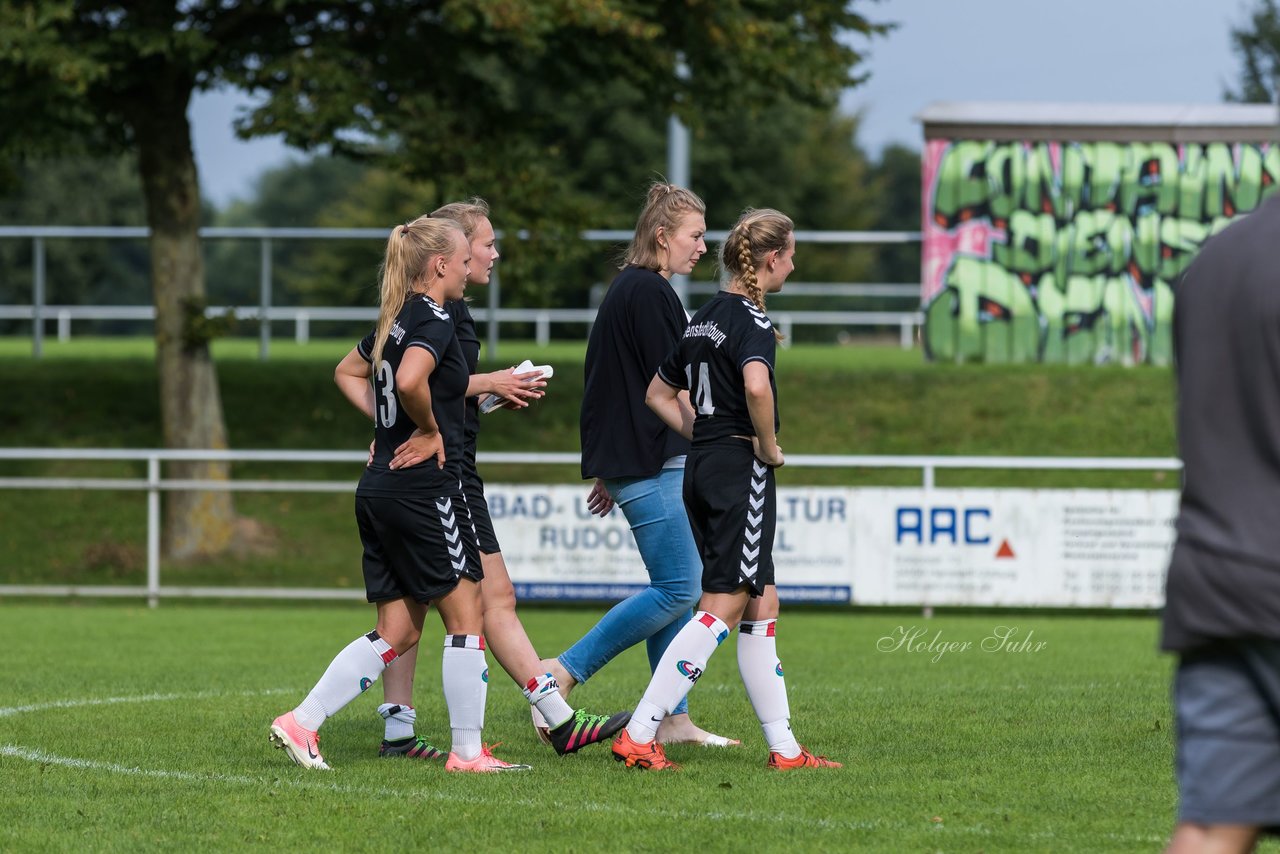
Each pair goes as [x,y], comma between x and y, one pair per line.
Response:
[750,562]
[452,535]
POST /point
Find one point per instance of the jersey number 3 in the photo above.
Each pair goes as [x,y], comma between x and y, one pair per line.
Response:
[701,390]
[387,409]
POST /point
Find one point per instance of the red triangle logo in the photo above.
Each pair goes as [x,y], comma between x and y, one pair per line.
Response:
[1004,550]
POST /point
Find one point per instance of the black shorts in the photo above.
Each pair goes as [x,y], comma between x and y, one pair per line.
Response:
[1227,709]
[473,489]
[416,547]
[732,502]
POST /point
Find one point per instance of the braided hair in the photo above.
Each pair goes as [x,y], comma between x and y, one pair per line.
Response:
[754,235]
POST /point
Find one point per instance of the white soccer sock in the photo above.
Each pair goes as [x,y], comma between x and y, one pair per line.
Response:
[466,686]
[349,675]
[681,665]
[762,676]
[400,720]
[543,693]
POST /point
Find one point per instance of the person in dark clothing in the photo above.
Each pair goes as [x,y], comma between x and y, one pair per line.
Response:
[1222,593]
[635,459]
[725,363]
[408,375]
[570,729]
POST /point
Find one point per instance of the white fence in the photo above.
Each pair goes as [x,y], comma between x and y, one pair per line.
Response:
[542,318]
[154,483]
[265,312]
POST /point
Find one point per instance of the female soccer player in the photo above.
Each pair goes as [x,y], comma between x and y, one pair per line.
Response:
[409,375]
[725,362]
[570,730]
[635,459]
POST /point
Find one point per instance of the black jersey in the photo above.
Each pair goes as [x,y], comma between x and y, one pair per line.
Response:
[464,326]
[638,323]
[725,334]
[421,323]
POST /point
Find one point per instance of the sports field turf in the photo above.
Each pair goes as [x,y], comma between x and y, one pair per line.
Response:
[123,728]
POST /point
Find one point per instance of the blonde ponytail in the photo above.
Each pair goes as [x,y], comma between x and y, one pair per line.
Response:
[410,249]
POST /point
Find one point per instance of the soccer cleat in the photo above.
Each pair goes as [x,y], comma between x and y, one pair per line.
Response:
[485,763]
[302,745]
[649,755]
[415,747]
[585,728]
[777,762]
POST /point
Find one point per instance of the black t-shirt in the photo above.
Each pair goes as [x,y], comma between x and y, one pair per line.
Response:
[464,326]
[1226,336]
[725,334]
[421,323]
[638,323]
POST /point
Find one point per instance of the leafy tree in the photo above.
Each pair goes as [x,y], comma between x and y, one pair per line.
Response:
[449,80]
[1257,44]
[897,191]
[298,195]
[75,191]
[562,109]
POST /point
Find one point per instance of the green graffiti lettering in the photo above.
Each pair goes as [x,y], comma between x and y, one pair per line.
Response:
[1161,352]
[1041,192]
[1030,247]
[1219,181]
[1073,181]
[1005,176]
[1051,303]
[1195,170]
[961,191]
[989,316]
[1127,335]
[1150,180]
[1106,164]
[1180,239]
[1090,251]
[1084,253]
[1146,245]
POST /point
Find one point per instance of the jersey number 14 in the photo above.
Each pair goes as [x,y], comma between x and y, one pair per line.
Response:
[701,390]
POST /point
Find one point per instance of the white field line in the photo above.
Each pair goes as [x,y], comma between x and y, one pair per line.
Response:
[314,782]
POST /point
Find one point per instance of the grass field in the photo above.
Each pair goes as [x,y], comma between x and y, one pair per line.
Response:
[128,729]
[123,728]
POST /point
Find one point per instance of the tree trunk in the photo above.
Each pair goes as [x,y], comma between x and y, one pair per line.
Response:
[195,523]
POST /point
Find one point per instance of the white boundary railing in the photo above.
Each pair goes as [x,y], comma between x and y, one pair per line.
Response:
[154,483]
[39,311]
[542,318]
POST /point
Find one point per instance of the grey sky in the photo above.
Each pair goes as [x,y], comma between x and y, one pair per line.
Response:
[1126,51]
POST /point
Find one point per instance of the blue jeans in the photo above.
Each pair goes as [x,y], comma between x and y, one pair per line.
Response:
[654,509]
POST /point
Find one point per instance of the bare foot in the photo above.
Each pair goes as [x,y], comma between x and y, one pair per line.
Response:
[678,729]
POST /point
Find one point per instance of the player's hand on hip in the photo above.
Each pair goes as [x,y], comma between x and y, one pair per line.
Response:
[419,448]
[772,458]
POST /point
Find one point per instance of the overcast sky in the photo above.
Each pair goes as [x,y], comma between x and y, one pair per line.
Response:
[1117,51]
